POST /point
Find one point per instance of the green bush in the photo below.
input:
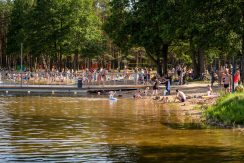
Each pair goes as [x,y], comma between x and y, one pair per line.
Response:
[228,109]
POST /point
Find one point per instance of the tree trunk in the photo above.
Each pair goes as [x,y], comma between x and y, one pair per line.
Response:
[60,62]
[137,58]
[201,61]
[165,58]
[3,56]
[156,60]
[3,47]
[159,66]
[195,63]
[194,60]
[51,63]
[119,67]
[242,60]
[76,62]
[30,62]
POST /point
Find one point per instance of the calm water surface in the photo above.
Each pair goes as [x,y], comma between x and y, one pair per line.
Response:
[54,129]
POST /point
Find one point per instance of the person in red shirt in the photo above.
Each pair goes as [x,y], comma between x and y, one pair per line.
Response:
[236,78]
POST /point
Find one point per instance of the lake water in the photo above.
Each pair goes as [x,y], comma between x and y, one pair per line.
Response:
[65,129]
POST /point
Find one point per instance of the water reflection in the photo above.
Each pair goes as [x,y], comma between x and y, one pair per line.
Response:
[83,129]
[112,102]
[185,153]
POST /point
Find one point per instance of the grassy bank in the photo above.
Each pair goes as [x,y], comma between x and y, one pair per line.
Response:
[228,110]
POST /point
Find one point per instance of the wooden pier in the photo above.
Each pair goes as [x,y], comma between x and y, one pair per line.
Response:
[62,90]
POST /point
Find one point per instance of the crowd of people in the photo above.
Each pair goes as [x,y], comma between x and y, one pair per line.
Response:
[227,80]
[101,76]
[88,76]
[138,76]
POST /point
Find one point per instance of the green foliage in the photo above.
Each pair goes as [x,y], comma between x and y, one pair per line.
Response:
[229,109]
[5,12]
[86,34]
[213,28]
[192,31]
[55,27]
[145,23]
[17,32]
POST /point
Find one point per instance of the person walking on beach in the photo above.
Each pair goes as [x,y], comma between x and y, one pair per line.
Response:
[226,80]
[155,87]
[167,85]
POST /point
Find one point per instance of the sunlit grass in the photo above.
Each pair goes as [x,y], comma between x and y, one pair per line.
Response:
[229,109]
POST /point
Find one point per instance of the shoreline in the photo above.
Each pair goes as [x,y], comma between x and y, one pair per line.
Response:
[194,106]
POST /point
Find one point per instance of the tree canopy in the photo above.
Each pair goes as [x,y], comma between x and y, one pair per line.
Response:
[161,24]
[55,28]
[169,31]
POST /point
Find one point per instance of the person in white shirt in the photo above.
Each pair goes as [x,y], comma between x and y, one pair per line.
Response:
[111,94]
[180,96]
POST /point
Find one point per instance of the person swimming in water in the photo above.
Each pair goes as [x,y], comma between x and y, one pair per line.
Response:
[111,94]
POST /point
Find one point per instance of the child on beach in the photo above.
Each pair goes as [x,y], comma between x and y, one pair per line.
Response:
[155,87]
[210,90]
[146,92]
[137,95]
